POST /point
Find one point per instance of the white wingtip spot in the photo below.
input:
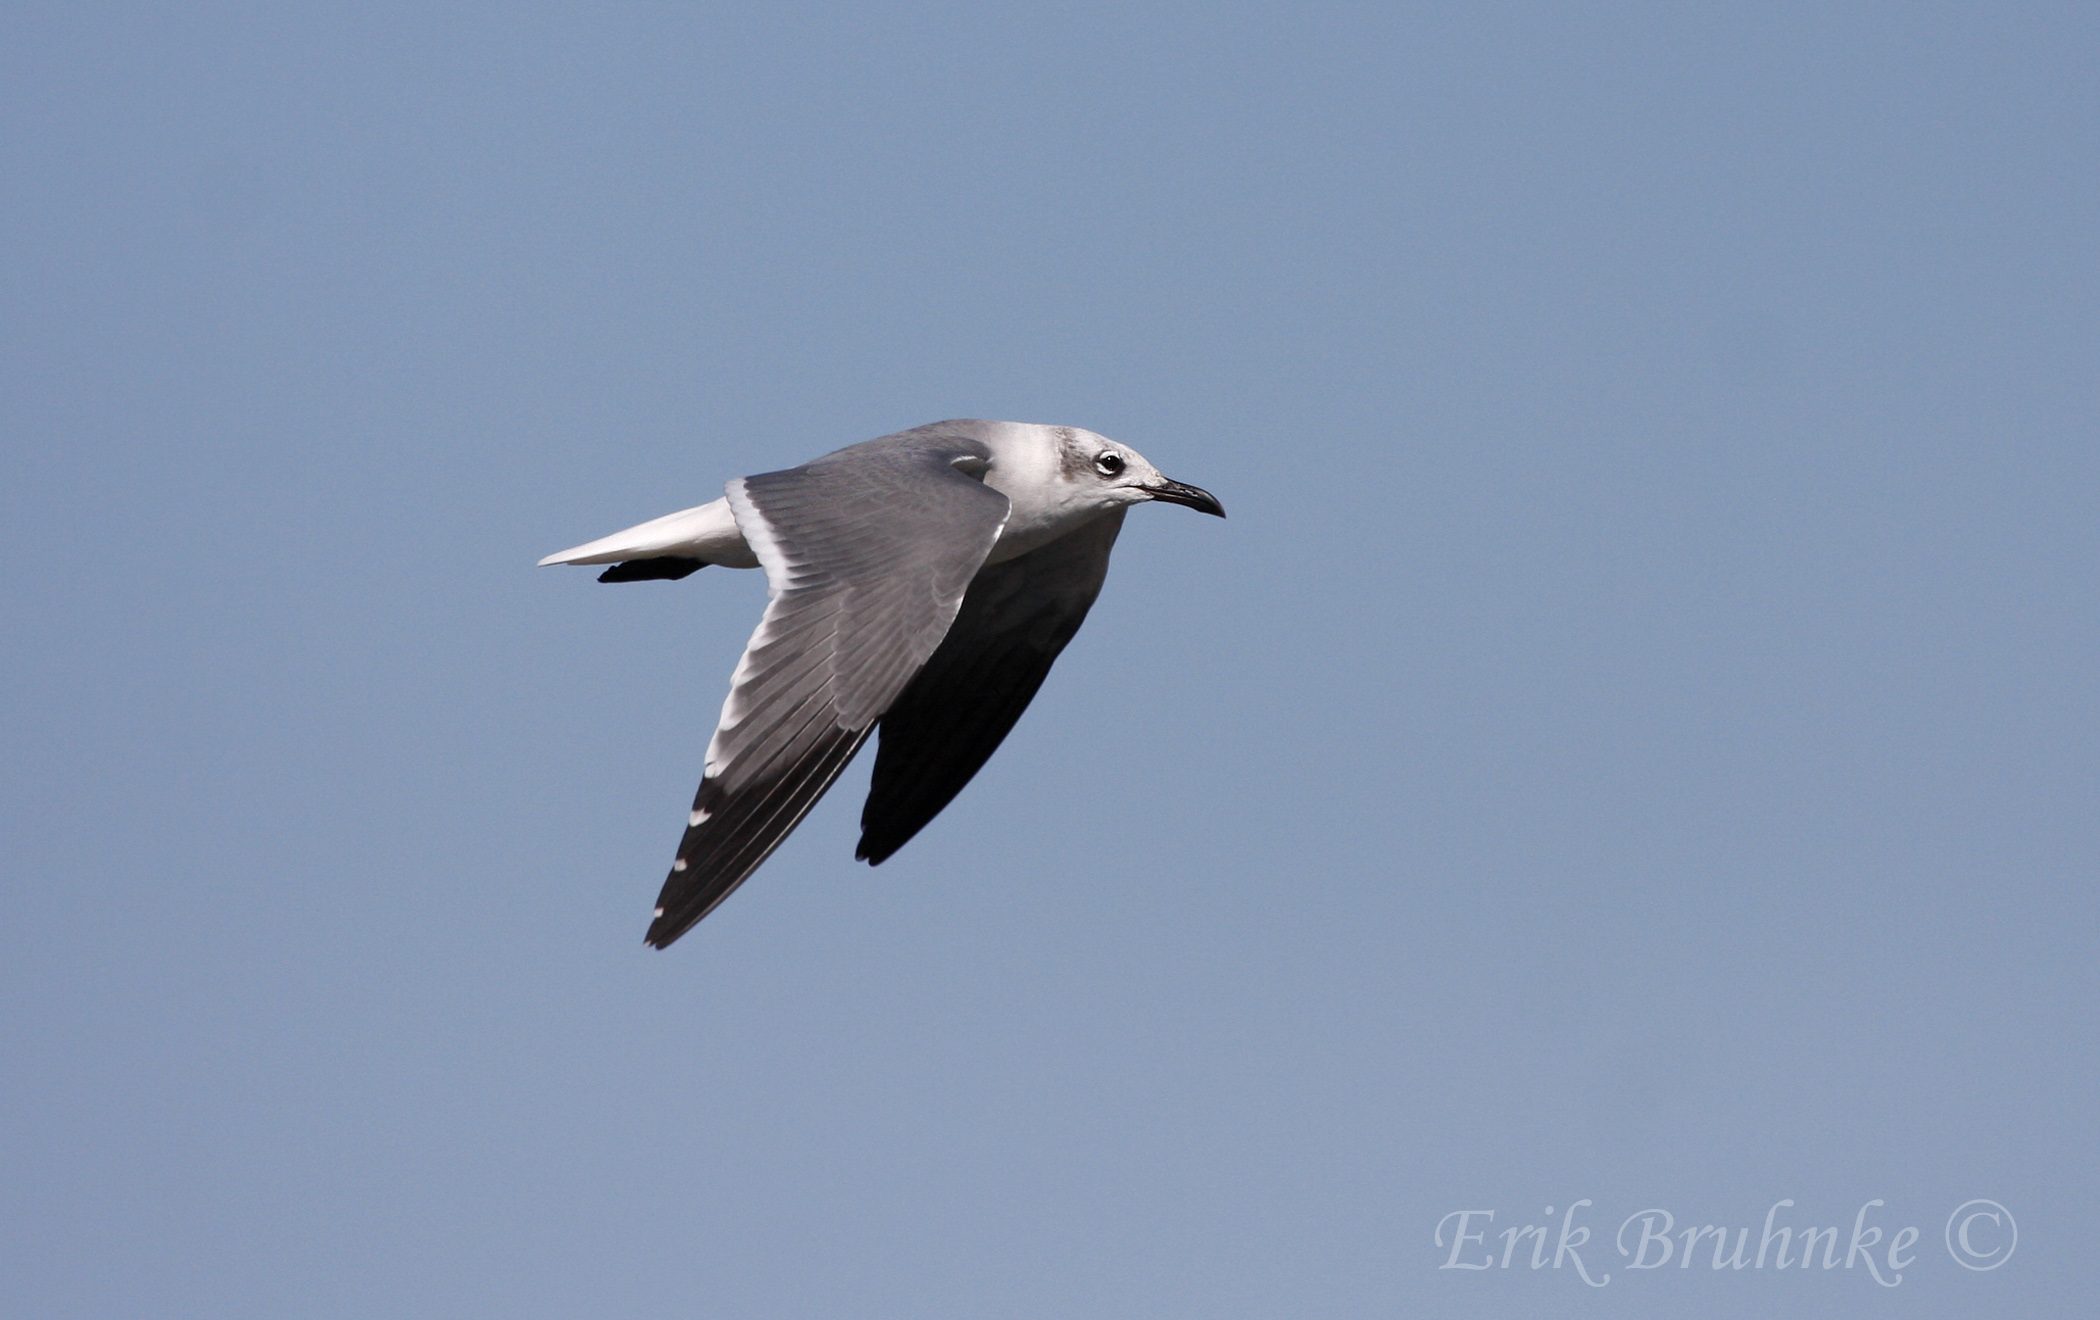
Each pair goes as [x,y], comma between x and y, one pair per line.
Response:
[678,865]
[696,818]
[659,912]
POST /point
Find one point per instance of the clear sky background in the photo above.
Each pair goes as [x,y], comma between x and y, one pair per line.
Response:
[1632,741]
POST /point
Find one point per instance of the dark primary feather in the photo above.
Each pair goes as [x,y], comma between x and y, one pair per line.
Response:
[953,716]
[869,555]
[665,567]
[743,828]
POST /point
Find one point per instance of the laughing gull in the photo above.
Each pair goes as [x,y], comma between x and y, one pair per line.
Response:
[923,583]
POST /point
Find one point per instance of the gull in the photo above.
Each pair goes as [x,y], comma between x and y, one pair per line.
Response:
[922,583]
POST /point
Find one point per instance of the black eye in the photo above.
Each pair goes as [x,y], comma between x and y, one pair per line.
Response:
[1108,464]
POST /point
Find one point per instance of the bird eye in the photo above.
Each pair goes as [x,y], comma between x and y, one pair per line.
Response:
[1108,465]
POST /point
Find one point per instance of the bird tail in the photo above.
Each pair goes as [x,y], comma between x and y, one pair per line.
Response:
[707,534]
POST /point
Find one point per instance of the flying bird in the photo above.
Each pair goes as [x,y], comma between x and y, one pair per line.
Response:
[921,583]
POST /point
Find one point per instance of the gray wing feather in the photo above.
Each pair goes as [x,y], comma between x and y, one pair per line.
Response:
[955,713]
[868,554]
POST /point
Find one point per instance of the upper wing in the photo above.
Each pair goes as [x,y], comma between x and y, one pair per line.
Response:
[868,553]
[940,732]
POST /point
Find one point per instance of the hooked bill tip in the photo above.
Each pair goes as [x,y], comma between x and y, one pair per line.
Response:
[1194,497]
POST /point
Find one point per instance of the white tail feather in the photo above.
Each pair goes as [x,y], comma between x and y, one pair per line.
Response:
[707,532]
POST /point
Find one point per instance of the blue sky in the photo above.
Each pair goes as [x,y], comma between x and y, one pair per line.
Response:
[1632,742]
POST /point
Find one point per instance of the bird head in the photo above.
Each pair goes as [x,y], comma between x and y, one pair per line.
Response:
[1117,475]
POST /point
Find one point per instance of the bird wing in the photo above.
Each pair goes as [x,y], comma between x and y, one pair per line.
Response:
[868,554]
[948,722]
